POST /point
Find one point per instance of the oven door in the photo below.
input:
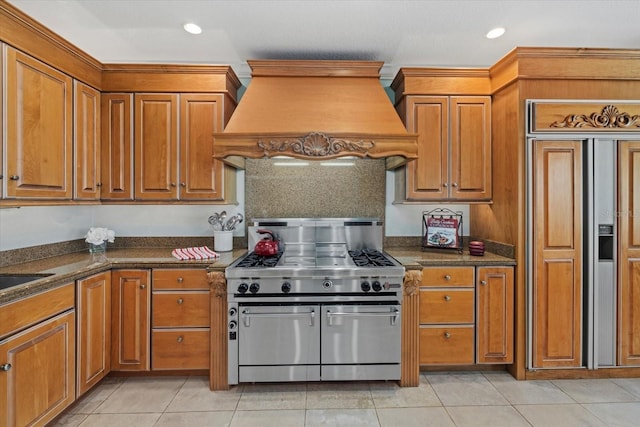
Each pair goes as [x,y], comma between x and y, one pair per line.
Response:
[360,342]
[279,343]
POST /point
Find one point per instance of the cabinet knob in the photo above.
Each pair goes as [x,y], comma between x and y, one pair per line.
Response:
[143,286]
[1,176]
[447,298]
[14,177]
[445,185]
[180,280]
[483,282]
[447,277]
[455,184]
[180,338]
[99,184]
[173,184]
[183,184]
[5,367]
[447,335]
[180,301]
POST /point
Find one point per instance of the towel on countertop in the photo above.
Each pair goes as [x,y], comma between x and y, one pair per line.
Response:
[201,252]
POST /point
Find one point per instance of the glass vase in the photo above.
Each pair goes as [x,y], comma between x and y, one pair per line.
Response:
[98,251]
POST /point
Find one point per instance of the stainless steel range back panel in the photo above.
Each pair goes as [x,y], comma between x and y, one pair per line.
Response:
[326,308]
[354,233]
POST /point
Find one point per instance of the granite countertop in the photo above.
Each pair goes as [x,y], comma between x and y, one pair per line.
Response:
[413,259]
[69,267]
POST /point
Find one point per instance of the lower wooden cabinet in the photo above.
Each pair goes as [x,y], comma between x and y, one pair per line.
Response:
[93,305]
[37,372]
[466,315]
[180,319]
[130,306]
[494,314]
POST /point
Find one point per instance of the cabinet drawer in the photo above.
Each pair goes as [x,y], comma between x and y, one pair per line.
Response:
[447,276]
[180,349]
[180,309]
[447,305]
[447,345]
[180,278]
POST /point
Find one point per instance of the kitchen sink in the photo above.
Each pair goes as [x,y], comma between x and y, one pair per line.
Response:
[10,280]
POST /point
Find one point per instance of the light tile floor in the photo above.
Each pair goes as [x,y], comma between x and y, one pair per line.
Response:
[442,399]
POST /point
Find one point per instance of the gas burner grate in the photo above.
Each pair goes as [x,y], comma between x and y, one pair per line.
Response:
[370,258]
[254,260]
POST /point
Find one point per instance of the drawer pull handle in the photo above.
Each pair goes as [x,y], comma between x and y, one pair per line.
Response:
[5,367]
[180,280]
[180,338]
[447,298]
[180,301]
[447,277]
[447,335]
[143,286]
[483,282]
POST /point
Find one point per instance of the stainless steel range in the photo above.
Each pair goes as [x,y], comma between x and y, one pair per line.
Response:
[326,307]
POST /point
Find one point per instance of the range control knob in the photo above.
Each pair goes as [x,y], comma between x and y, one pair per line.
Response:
[286,287]
[242,288]
[233,311]
[377,287]
[255,287]
[232,325]
[327,284]
[365,286]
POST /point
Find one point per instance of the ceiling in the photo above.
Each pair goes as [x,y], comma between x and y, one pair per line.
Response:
[434,33]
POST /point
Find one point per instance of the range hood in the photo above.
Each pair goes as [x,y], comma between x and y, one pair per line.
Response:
[315,110]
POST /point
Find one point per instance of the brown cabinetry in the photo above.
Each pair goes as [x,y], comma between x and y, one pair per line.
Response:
[130,305]
[454,149]
[557,265]
[38,129]
[156,146]
[37,357]
[86,142]
[93,305]
[466,315]
[629,253]
[117,146]
[447,327]
[494,314]
[180,319]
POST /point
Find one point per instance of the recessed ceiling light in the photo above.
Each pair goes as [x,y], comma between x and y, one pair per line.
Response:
[192,28]
[495,33]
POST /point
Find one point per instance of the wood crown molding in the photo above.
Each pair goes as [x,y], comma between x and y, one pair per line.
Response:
[314,68]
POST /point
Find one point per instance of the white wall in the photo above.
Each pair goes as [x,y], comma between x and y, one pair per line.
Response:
[406,219]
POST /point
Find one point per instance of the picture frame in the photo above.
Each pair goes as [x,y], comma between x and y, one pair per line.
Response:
[442,229]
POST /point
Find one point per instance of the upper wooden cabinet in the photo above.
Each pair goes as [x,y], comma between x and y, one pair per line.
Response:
[38,124]
[86,142]
[454,140]
[156,146]
[117,146]
[170,136]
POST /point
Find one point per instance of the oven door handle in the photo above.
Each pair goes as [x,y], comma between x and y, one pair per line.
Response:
[247,315]
[393,314]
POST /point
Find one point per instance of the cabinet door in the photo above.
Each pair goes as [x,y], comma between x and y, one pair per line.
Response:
[156,146]
[40,381]
[94,330]
[86,135]
[38,129]
[557,281]
[428,116]
[494,322]
[201,177]
[470,148]
[117,146]
[130,331]
[629,253]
